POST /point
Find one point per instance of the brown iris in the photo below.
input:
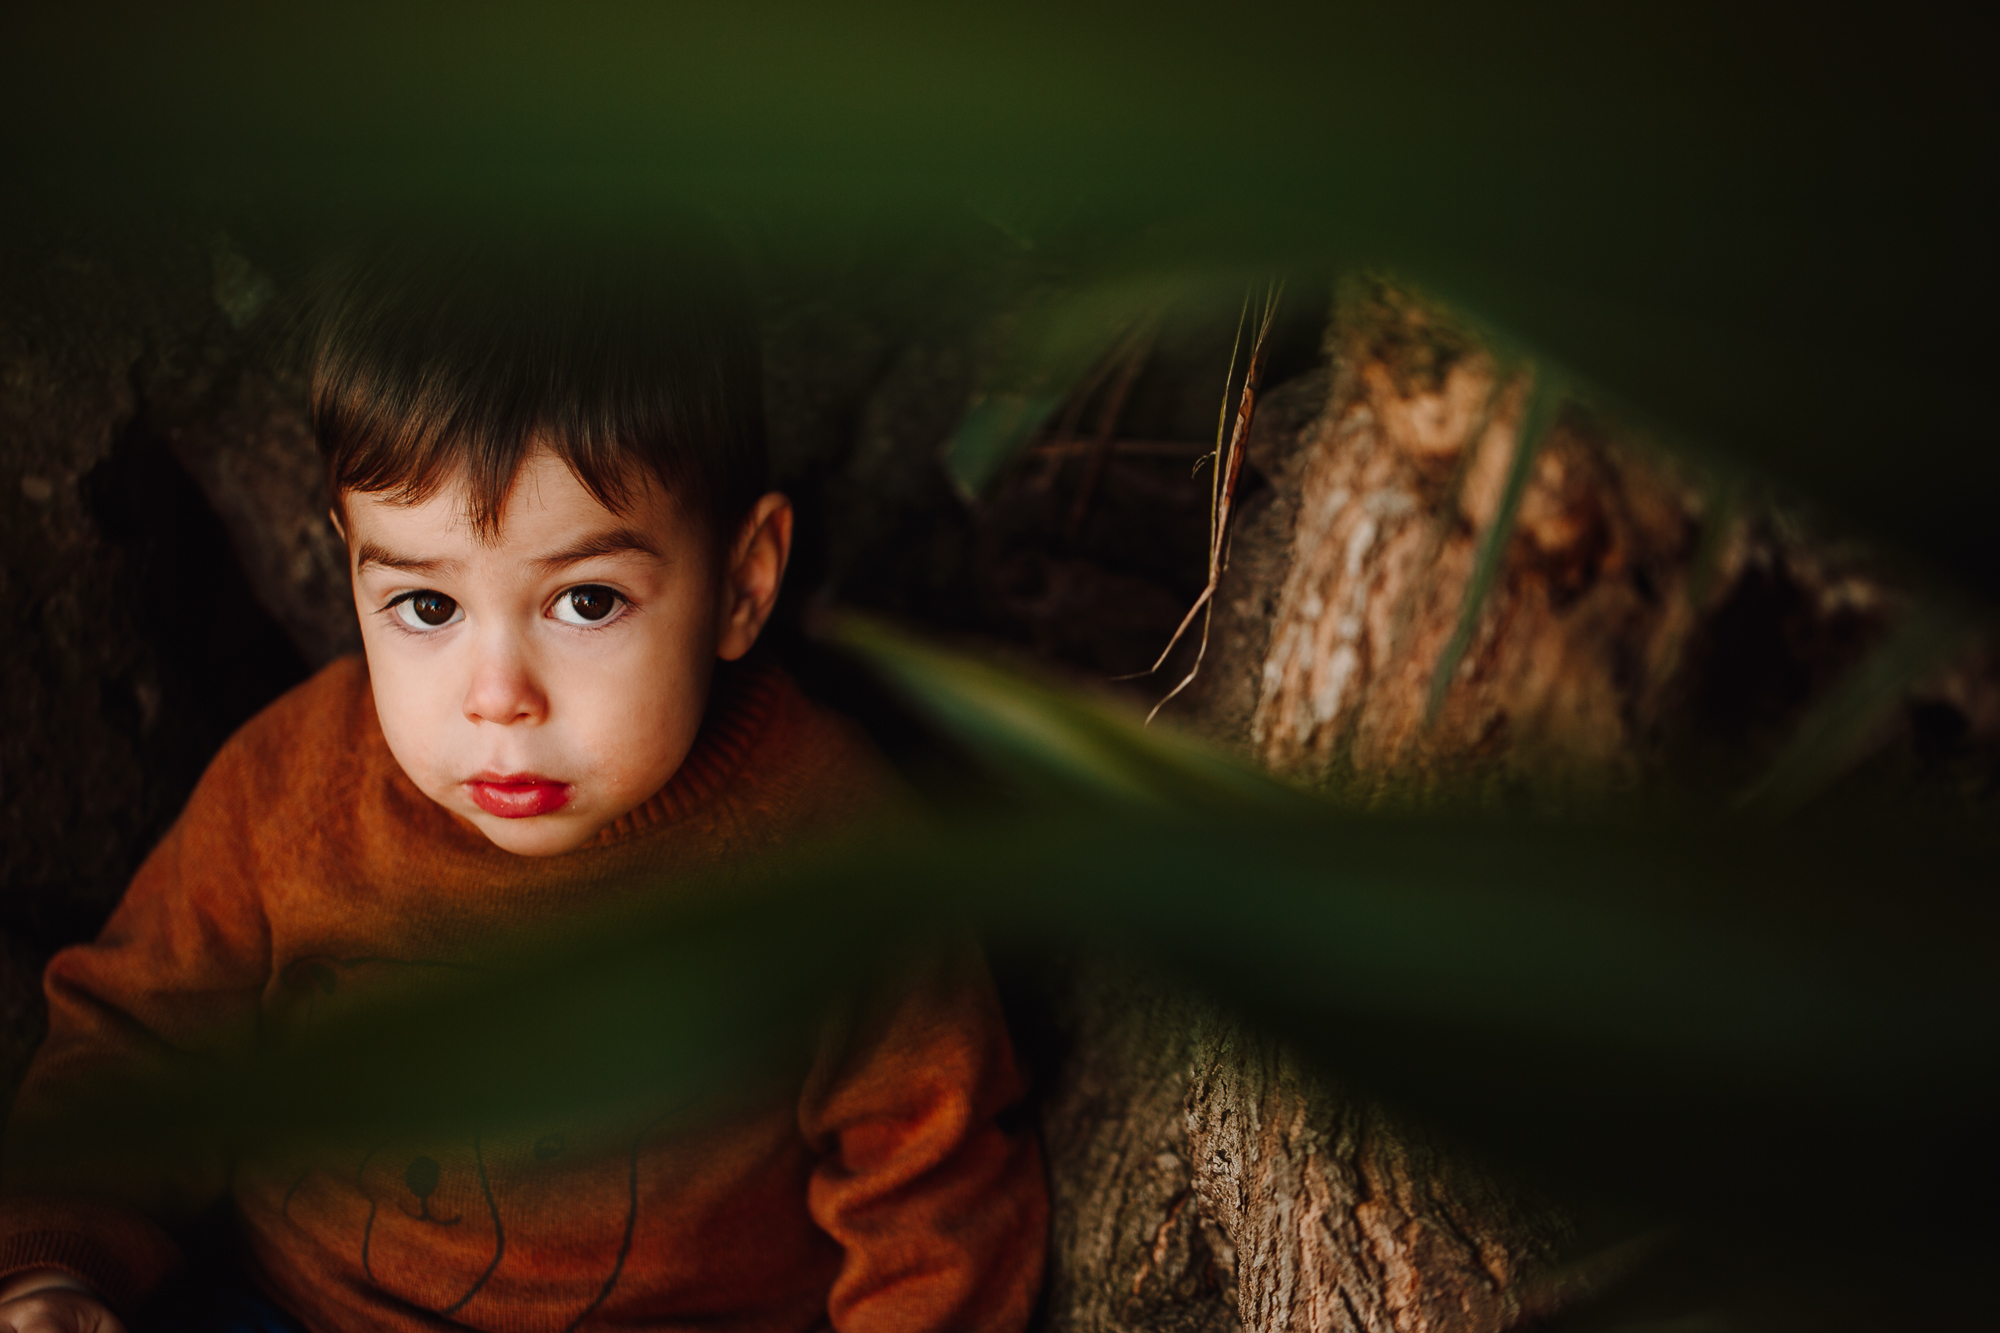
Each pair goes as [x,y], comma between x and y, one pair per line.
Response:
[591,602]
[433,608]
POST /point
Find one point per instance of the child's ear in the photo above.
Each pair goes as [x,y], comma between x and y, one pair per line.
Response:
[753,575]
[333,517]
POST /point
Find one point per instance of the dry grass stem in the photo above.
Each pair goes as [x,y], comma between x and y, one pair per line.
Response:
[1222,486]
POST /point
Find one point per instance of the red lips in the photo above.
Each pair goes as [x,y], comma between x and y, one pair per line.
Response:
[518,795]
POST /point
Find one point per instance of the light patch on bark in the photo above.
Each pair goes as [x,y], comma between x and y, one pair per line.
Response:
[1396,478]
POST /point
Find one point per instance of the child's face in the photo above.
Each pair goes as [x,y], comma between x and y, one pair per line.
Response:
[543,681]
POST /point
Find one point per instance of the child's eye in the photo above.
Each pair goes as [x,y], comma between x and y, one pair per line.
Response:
[586,605]
[426,610]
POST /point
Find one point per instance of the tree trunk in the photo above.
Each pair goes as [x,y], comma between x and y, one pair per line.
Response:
[1344,1220]
[1637,637]
[1204,1181]
[1638,634]
[1134,1246]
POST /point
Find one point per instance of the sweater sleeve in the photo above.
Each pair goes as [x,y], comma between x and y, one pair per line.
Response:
[171,984]
[942,1212]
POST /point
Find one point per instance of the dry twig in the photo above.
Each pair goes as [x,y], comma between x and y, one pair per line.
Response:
[1222,487]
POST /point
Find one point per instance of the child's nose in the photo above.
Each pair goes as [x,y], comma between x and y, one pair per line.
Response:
[504,688]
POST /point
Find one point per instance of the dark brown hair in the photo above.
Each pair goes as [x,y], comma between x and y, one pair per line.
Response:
[439,354]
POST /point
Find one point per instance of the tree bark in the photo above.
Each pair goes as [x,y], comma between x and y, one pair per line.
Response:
[1203,1180]
[1133,1246]
[1608,656]
[1343,1220]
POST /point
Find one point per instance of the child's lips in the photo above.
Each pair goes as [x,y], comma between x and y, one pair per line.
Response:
[517,795]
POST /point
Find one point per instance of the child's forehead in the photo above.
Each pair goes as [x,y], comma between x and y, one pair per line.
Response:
[546,506]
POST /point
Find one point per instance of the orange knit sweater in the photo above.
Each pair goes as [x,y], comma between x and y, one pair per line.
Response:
[882,1195]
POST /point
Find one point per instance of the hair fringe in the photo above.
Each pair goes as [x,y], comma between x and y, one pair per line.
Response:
[628,352]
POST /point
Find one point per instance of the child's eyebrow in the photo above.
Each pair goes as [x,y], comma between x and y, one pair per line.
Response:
[617,541]
[368,553]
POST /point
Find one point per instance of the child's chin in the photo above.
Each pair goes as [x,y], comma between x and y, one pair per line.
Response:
[539,835]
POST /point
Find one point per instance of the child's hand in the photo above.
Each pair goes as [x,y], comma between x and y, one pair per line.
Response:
[49,1301]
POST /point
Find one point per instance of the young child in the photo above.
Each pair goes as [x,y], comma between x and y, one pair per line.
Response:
[547,464]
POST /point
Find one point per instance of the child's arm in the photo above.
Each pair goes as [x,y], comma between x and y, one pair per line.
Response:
[943,1213]
[173,981]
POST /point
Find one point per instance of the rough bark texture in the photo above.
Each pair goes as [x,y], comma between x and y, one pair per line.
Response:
[1611,654]
[1202,1179]
[1133,1246]
[1343,1220]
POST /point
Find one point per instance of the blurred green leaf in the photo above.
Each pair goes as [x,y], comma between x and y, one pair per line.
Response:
[1634,1013]
[1047,357]
[1058,743]
[1771,233]
[996,428]
[1544,957]
[1546,394]
[1718,519]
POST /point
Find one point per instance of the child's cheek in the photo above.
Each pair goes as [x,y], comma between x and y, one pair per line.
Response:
[644,719]
[418,721]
